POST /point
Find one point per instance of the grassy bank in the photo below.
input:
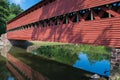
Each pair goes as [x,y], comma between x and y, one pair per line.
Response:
[68,53]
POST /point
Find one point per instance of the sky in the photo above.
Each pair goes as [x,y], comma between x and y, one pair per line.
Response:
[25,4]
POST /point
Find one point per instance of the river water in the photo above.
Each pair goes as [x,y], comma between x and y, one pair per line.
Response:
[66,64]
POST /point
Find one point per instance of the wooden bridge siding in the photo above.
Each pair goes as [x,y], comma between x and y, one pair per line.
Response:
[99,32]
[56,8]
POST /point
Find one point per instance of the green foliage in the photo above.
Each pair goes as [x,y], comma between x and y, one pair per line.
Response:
[3,15]
[68,54]
[11,16]
[15,9]
[58,53]
[4,73]
[7,12]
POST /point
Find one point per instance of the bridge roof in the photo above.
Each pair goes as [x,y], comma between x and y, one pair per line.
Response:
[34,7]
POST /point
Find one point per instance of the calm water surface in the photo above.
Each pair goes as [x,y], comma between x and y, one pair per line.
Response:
[71,65]
[101,67]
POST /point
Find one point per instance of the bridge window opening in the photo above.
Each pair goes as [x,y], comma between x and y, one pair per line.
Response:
[34,25]
[30,25]
[46,22]
[119,4]
[50,23]
[37,24]
[18,28]
[53,21]
[114,8]
[42,25]
[106,15]
[88,17]
[57,22]
[63,19]
[66,19]
[117,9]
[73,17]
[60,18]
[26,26]
[45,4]
[114,4]
[82,13]
[51,1]
[23,27]
[97,10]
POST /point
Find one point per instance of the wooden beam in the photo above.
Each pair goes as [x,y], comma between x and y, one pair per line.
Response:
[110,11]
[95,15]
[81,18]
[86,15]
[118,10]
[101,13]
[61,21]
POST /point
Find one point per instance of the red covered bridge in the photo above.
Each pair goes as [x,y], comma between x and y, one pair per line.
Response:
[94,22]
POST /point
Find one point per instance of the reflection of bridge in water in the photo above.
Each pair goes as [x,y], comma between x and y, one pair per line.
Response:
[94,22]
[19,69]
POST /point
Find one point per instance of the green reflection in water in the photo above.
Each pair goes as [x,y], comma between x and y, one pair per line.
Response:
[4,72]
[68,54]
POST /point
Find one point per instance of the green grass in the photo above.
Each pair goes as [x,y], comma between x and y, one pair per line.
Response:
[68,54]
[40,43]
[79,47]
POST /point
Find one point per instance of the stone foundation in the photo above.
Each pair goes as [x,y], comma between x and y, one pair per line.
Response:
[115,64]
[4,40]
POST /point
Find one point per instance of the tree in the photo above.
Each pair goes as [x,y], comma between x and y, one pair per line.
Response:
[4,12]
[7,12]
[14,10]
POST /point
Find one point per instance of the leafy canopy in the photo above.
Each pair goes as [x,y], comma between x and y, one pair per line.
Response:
[7,12]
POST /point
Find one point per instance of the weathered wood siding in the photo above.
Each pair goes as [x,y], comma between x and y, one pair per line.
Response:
[99,32]
[57,8]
